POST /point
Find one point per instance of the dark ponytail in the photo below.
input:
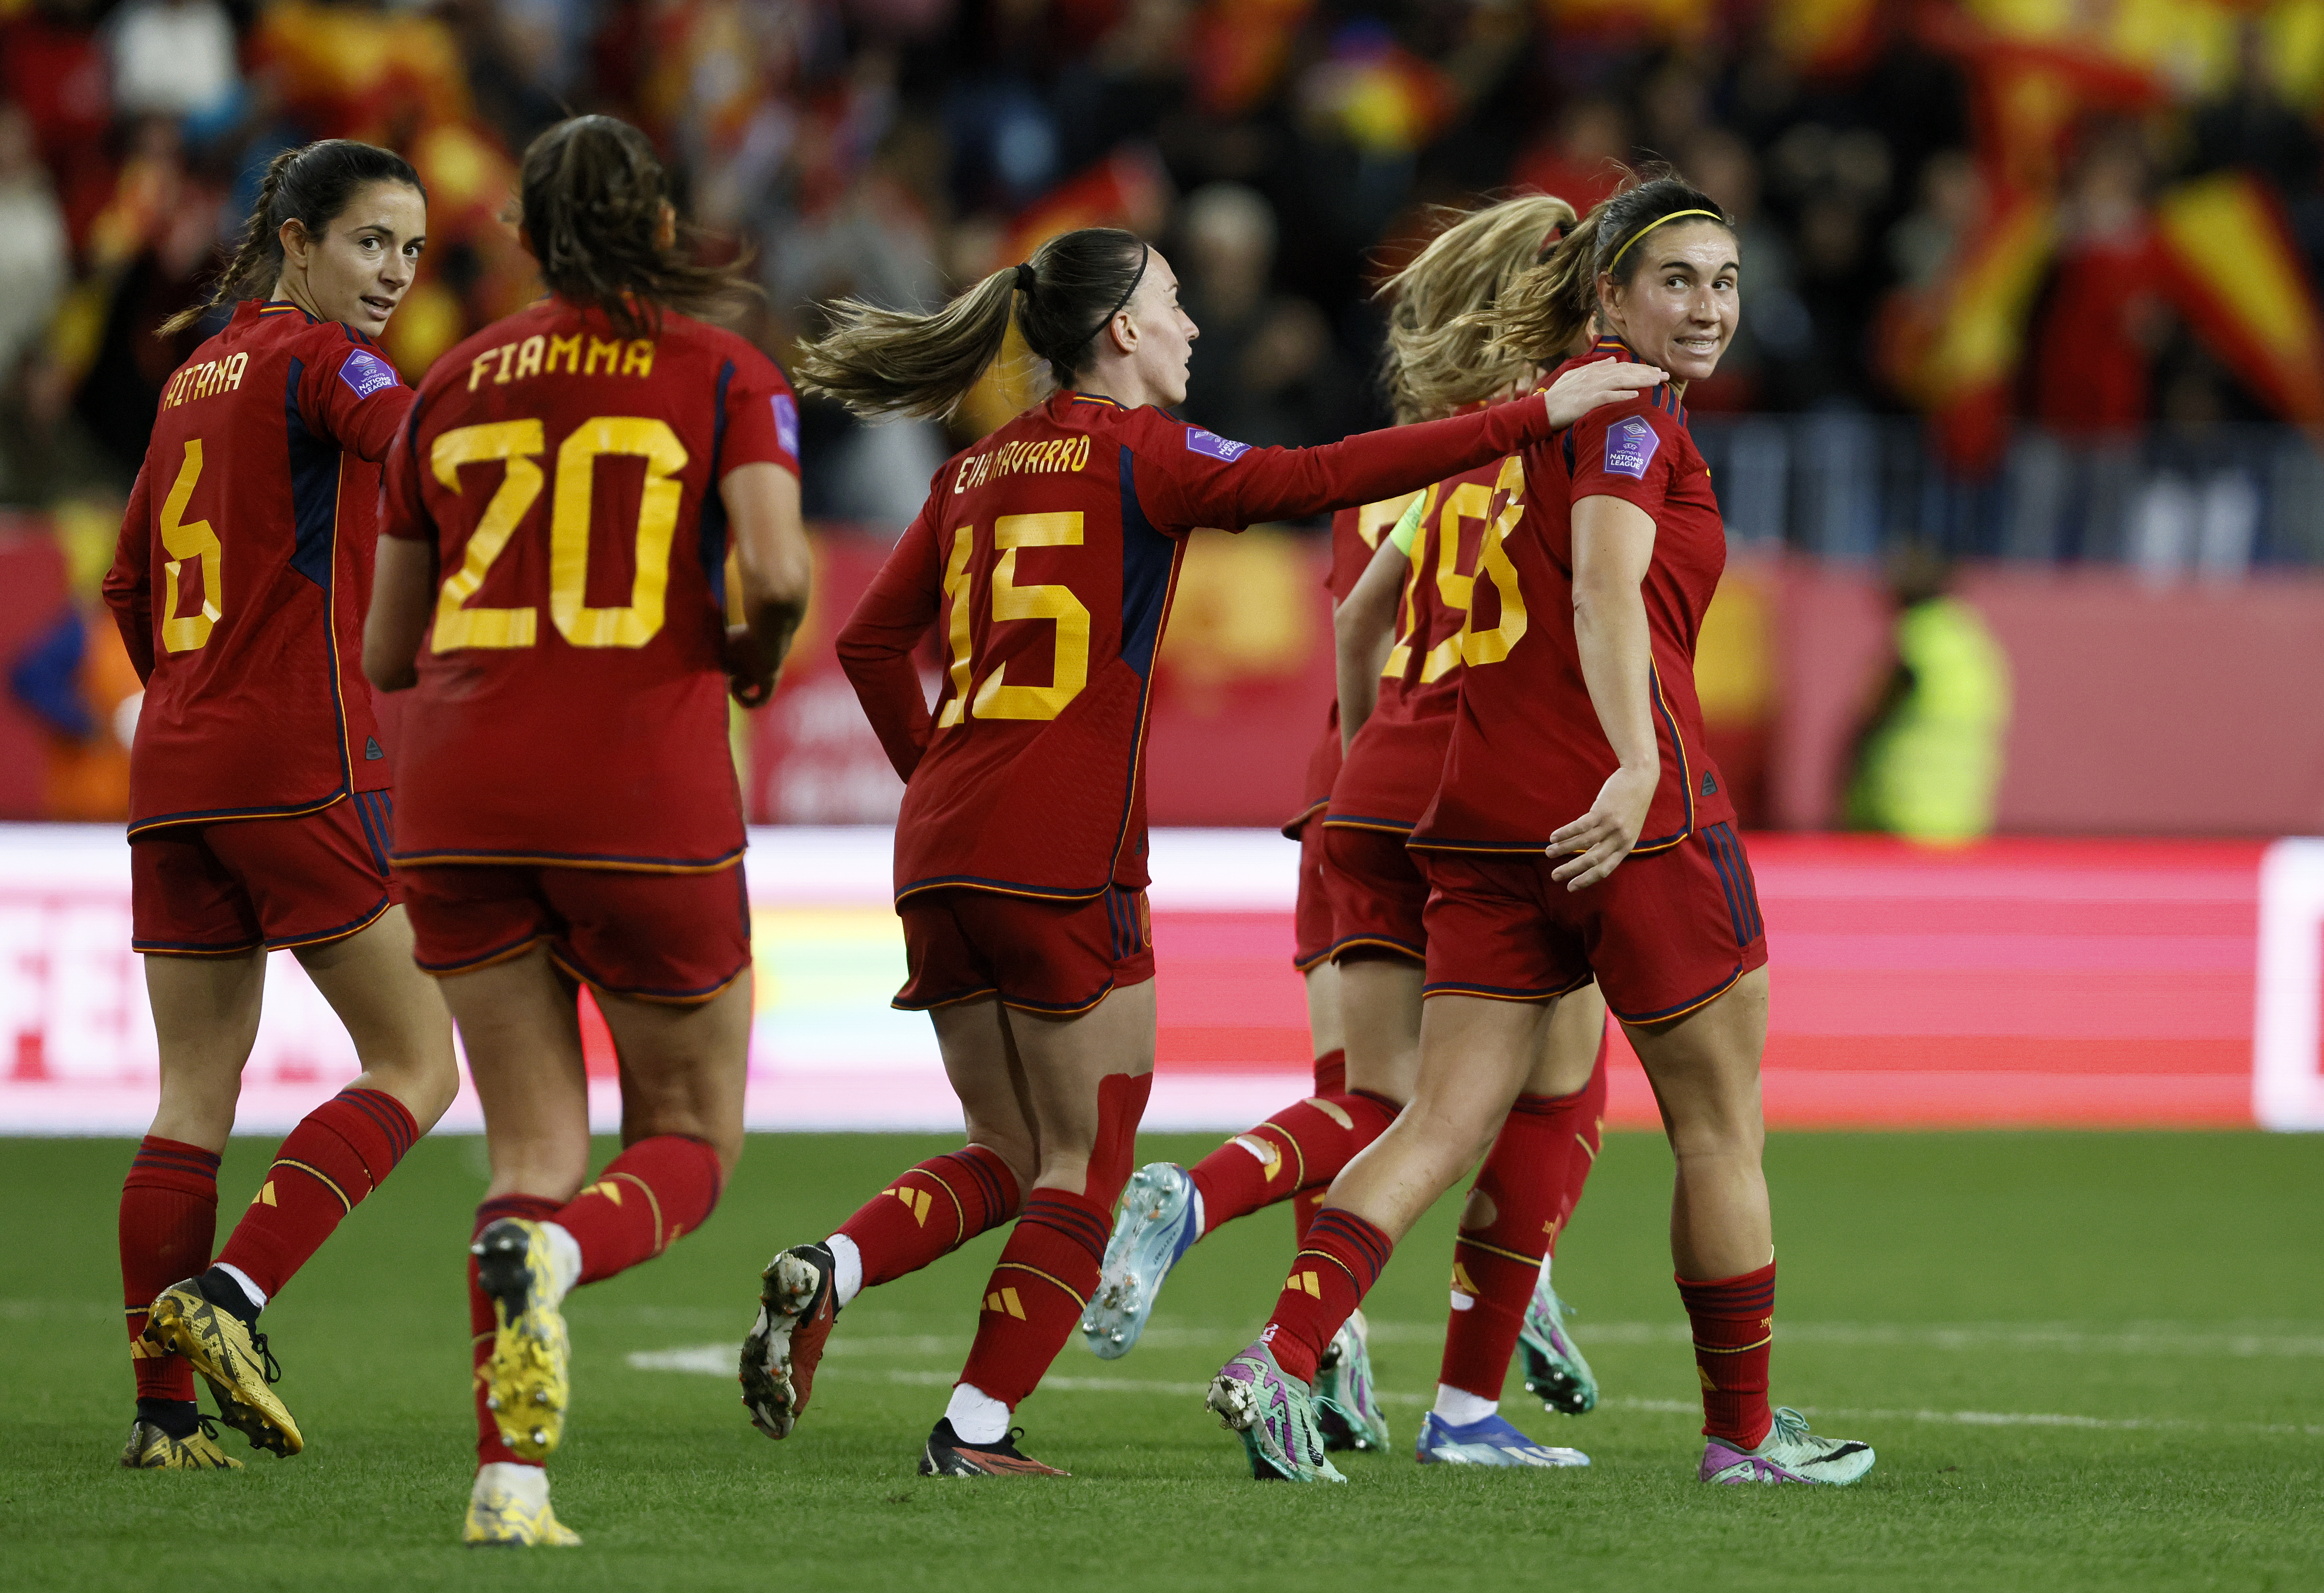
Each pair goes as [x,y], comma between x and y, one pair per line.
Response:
[311,186]
[888,362]
[591,205]
[1544,310]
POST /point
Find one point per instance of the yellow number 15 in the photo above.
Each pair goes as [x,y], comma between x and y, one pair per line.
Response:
[518,445]
[997,698]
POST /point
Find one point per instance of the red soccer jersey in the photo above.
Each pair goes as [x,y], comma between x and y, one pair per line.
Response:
[1050,549]
[1356,535]
[253,516]
[1398,756]
[571,707]
[1528,755]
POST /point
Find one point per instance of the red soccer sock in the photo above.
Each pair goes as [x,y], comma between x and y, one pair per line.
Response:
[1734,1321]
[1301,1147]
[1511,1221]
[1331,1079]
[931,1210]
[169,1220]
[1037,1291]
[1330,1276]
[483,1322]
[1589,1134]
[337,1154]
[654,1190]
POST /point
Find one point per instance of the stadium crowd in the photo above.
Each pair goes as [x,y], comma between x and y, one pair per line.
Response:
[1938,200]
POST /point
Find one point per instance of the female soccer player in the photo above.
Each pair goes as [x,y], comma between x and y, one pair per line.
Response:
[1439,363]
[1046,554]
[1648,890]
[560,513]
[259,811]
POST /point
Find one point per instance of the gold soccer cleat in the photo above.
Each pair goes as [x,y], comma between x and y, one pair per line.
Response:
[151,1448]
[525,1379]
[232,1360]
[508,1509]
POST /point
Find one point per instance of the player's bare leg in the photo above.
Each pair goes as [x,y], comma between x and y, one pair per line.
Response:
[1500,1254]
[682,1070]
[1085,1082]
[206,1014]
[926,1212]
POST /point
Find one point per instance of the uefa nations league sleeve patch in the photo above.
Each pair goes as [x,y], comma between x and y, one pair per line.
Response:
[367,373]
[1630,447]
[786,422]
[1199,441]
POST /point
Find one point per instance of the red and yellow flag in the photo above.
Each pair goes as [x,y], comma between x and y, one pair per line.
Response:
[2238,277]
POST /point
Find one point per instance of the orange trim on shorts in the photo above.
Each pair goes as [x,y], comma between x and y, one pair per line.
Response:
[1309,964]
[690,1000]
[900,1005]
[1397,946]
[550,859]
[1022,893]
[1377,826]
[1677,1012]
[321,937]
[1488,993]
[151,949]
[505,955]
[173,821]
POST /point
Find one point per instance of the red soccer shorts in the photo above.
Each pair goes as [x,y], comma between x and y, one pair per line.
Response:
[676,938]
[218,890]
[1310,918]
[1057,958]
[1663,934]
[1377,894]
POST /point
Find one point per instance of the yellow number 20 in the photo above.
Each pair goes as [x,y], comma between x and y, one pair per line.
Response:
[518,445]
[186,539]
[996,697]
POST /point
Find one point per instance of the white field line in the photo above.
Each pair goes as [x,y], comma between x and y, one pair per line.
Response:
[718,1360]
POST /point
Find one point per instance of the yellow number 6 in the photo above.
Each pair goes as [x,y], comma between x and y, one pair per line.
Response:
[182,633]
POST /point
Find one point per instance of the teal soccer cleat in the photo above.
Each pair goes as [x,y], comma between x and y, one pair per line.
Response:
[1155,1228]
[1274,1414]
[1554,1371]
[1347,1404]
[1789,1453]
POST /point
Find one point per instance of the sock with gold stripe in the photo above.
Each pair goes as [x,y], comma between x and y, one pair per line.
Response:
[1734,1322]
[1037,1291]
[1510,1222]
[482,1323]
[661,1187]
[1331,1079]
[931,1210]
[337,1156]
[169,1220]
[1335,1268]
[1302,1146]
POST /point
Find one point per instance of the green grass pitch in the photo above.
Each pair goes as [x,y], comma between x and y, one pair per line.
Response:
[2086,1361]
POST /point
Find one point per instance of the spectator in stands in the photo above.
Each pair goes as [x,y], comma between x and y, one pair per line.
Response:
[1927,760]
[1264,371]
[34,268]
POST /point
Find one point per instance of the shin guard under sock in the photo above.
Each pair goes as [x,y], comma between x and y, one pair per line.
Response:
[337,1154]
[1301,1147]
[1331,1079]
[1589,1120]
[483,1323]
[1037,1291]
[1734,1324]
[1508,1225]
[931,1210]
[1330,1276]
[656,1190]
[169,1220]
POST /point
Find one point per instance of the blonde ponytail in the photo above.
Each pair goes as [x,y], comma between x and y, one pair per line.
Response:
[1441,354]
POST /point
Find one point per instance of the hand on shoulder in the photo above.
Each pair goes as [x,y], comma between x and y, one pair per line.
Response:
[1584,388]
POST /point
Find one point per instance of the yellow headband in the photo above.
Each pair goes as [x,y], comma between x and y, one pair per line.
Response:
[1650,226]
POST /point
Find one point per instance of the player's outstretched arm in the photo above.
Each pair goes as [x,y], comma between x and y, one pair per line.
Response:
[1613,545]
[776,569]
[402,590]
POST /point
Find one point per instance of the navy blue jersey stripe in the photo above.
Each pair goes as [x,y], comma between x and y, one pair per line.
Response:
[1146,556]
[1726,884]
[314,488]
[712,524]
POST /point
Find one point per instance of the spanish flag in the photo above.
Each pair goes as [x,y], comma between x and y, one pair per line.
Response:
[1239,49]
[2238,279]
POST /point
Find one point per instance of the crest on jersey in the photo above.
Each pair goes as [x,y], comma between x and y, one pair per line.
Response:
[786,422]
[1199,441]
[1630,447]
[367,373]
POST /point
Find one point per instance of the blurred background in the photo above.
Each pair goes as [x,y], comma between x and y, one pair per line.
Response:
[2017,447]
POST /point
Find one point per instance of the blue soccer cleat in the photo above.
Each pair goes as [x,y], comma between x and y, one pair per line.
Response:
[1489,1441]
[1155,1228]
